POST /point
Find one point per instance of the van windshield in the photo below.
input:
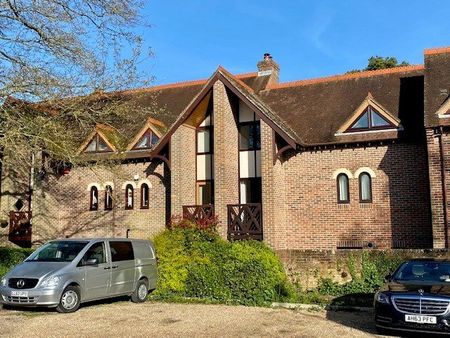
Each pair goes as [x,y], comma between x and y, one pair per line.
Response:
[434,272]
[58,251]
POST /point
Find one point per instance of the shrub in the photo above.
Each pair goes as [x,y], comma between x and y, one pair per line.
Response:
[200,264]
[10,257]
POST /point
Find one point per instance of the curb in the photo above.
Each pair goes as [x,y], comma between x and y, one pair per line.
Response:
[293,306]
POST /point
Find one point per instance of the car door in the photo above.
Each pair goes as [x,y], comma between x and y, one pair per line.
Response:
[122,267]
[97,278]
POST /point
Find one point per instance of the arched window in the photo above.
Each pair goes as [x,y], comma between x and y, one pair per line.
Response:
[93,198]
[108,198]
[144,196]
[365,188]
[129,197]
[343,191]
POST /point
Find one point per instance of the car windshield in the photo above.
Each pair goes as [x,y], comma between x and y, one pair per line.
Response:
[424,271]
[58,251]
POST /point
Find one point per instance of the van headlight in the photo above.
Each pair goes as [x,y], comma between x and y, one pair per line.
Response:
[51,281]
[381,297]
[3,281]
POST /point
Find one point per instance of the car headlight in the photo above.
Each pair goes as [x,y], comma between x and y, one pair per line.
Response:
[51,282]
[3,281]
[381,297]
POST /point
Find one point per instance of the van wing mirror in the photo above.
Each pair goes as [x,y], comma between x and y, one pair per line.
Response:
[91,262]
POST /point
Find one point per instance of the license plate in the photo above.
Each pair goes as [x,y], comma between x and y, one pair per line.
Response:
[19,293]
[420,319]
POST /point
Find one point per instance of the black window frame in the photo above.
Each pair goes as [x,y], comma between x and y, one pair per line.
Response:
[143,185]
[254,125]
[361,200]
[109,199]
[91,205]
[339,200]
[127,187]
[369,110]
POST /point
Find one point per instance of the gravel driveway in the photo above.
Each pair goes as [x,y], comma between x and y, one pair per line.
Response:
[125,319]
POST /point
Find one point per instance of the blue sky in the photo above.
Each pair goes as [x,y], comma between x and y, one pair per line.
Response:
[307,38]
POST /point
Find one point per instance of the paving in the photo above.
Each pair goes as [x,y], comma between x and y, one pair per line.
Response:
[151,319]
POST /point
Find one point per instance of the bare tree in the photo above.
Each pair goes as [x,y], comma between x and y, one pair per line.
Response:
[58,59]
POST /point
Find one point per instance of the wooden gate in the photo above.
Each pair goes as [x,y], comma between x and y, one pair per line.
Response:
[20,228]
[245,221]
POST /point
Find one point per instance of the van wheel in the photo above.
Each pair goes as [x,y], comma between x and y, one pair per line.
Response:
[70,300]
[140,294]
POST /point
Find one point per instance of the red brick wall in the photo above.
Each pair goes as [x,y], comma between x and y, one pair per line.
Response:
[399,213]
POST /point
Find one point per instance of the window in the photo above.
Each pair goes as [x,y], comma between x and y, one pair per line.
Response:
[97,145]
[108,198]
[121,251]
[144,196]
[129,197]
[343,192]
[249,136]
[250,190]
[205,192]
[96,251]
[147,140]
[370,119]
[93,203]
[365,188]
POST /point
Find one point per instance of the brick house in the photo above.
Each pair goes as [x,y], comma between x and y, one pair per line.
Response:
[358,160]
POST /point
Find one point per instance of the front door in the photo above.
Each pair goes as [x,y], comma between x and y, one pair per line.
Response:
[122,267]
[97,277]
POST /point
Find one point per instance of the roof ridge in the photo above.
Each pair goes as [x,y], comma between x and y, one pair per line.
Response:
[182,84]
[437,50]
[340,77]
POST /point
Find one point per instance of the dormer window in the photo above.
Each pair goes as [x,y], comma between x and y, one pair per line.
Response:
[98,145]
[370,119]
[147,140]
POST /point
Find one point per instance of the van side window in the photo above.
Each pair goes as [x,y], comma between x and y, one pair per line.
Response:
[121,251]
[97,251]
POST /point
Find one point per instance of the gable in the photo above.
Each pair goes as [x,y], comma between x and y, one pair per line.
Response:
[98,143]
[444,109]
[369,116]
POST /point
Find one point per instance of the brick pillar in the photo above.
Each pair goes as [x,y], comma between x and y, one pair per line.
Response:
[183,173]
[226,160]
[436,196]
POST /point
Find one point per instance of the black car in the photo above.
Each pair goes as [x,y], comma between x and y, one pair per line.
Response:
[416,298]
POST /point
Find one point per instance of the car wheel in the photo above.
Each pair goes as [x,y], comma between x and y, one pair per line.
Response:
[70,300]
[140,294]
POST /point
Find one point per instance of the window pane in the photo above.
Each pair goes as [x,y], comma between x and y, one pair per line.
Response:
[102,146]
[144,195]
[343,188]
[205,193]
[94,198]
[365,186]
[362,122]
[154,139]
[203,141]
[377,120]
[245,137]
[121,251]
[96,251]
[257,137]
[92,146]
[250,190]
[108,198]
[129,197]
[143,142]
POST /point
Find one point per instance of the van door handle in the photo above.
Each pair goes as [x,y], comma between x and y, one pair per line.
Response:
[107,268]
[115,266]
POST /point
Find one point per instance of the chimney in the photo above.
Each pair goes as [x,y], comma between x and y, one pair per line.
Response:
[268,67]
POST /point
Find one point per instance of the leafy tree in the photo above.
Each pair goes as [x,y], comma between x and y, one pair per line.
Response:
[380,62]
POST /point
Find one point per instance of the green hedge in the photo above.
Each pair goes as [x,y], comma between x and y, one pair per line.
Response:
[10,257]
[197,263]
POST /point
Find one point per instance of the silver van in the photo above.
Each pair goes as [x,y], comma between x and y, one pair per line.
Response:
[65,273]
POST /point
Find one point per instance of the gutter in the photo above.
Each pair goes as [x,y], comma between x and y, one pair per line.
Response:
[443,180]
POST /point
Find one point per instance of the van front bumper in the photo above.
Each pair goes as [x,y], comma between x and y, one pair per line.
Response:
[35,297]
